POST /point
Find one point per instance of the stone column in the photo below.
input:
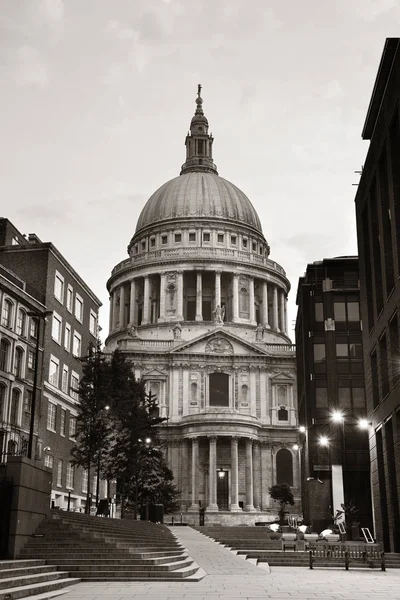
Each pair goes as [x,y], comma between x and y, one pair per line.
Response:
[265,304]
[275,307]
[212,476]
[115,309]
[256,474]
[122,307]
[146,301]
[249,507]
[234,475]
[251,300]
[111,320]
[266,475]
[162,296]
[282,310]
[217,289]
[184,472]
[286,317]
[195,459]
[132,306]
[180,297]
[199,296]
[235,311]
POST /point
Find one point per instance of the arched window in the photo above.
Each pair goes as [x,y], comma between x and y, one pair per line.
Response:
[4,353]
[244,303]
[244,393]
[219,389]
[7,312]
[3,389]
[14,413]
[21,322]
[19,362]
[193,392]
[284,466]
[11,448]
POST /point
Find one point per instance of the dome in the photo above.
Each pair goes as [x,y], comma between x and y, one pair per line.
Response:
[199,194]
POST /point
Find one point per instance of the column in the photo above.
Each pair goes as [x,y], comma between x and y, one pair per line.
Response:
[111,321]
[256,474]
[282,310]
[249,507]
[234,475]
[146,301]
[235,311]
[266,475]
[184,472]
[265,305]
[251,300]
[275,307]
[122,307]
[162,296]
[180,296]
[286,317]
[217,289]
[199,296]
[195,459]
[212,476]
[132,306]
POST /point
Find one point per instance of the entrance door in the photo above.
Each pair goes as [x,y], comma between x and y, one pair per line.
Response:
[222,489]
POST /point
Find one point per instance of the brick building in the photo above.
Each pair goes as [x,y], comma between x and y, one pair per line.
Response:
[330,378]
[72,326]
[378,229]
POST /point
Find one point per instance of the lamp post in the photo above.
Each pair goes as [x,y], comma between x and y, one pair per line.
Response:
[39,317]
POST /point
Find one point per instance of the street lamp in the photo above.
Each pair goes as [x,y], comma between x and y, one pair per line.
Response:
[39,317]
[364,424]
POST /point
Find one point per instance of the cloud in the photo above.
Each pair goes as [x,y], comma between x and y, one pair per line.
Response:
[332,89]
[372,9]
[30,68]
[52,10]
[119,31]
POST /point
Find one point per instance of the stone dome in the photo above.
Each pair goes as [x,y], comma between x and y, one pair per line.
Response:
[199,194]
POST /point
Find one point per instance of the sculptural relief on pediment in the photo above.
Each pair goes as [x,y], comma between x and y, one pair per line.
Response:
[219,345]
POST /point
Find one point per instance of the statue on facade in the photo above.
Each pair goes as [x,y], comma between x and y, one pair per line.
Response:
[259,333]
[177,331]
[219,314]
[132,331]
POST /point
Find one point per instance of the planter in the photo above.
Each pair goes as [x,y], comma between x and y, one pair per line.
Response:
[311,537]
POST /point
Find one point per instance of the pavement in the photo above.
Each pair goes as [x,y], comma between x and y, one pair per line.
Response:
[232,578]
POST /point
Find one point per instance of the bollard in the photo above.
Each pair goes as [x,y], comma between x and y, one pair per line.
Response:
[181,518]
[173,521]
[69,501]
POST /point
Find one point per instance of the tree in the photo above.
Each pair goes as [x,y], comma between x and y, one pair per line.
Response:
[284,495]
[92,427]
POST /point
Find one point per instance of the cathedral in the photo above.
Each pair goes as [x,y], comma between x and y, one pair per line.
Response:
[201,311]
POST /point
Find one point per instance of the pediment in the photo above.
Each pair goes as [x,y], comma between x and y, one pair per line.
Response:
[282,377]
[220,342]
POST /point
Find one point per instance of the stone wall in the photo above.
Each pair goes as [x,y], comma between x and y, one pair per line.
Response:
[226,518]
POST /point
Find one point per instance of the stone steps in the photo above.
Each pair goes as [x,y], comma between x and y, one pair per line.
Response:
[21,579]
[45,588]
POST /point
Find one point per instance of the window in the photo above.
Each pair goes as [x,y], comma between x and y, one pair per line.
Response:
[62,421]
[254,247]
[34,328]
[383,364]
[48,461]
[21,320]
[244,242]
[27,409]
[76,345]
[206,237]
[283,414]
[7,312]
[178,237]
[59,287]
[220,238]
[359,398]
[2,403]
[54,371]
[56,328]
[14,412]
[143,245]
[31,360]
[164,239]
[67,337]
[219,389]
[319,352]
[342,350]
[284,466]
[339,311]
[19,362]
[321,398]
[70,476]
[353,311]
[60,467]
[344,397]
[72,426]
[74,386]
[319,312]
[93,323]
[152,242]
[64,380]
[84,481]
[4,354]
[51,416]
[355,350]
[70,298]
[192,236]
[233,240]
[78,308]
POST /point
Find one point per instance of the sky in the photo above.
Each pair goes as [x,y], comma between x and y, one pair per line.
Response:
[96,98]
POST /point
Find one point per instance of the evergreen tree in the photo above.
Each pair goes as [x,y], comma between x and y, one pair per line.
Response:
[284,495]
[92,427]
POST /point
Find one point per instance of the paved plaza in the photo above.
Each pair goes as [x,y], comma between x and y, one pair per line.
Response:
[232,578]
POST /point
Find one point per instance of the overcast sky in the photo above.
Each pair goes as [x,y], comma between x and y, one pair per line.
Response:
[96,97]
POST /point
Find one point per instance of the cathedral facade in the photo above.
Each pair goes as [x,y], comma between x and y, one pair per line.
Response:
[200,310]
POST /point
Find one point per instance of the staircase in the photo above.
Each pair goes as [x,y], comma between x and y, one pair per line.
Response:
[25,578]
[100,549]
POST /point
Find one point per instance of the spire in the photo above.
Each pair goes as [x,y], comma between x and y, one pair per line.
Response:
[198,142]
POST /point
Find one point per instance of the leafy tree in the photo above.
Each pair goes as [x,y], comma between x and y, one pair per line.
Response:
[284,495]
[92,427]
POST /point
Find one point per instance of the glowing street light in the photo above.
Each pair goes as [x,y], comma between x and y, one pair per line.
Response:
[364,424]
[302,429]
[337,416]
[296,447]
[323,440]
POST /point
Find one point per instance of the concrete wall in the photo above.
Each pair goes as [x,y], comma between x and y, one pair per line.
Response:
[30,502]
